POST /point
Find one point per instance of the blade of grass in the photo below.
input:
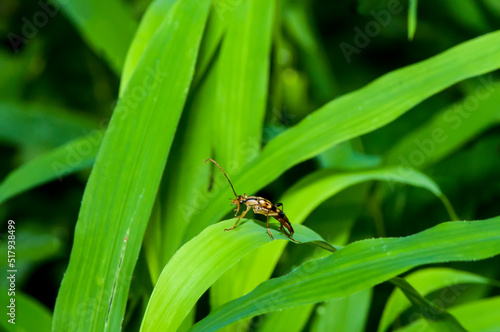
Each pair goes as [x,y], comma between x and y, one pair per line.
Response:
[152,246]
[107,26]
[449,129]
[216,27]
[29,315]
[299,201]
[186,179]
[290,320]
[40,125]
[481,315]
[198,263]
[357,113]
[33,247]
[438,319]
[425,282]
[412,18]
[148,26]
[150,22]
[62,161]
[343,157]
[299,24]
[242,83]
[361,265]
[122,186]
[347,314]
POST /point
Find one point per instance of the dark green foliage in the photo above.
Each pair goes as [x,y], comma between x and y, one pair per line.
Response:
[373,122]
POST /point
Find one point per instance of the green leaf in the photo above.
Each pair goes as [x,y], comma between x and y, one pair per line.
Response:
[150,22]
[412,18]
[359,266]
[124,181]
[30,315]
[315,188]
[347,314]
[216,27]
[107,26]
[290,320]
[437,318]
[40,125]
[62,161]
[425,282]
[449,129]
[33,247]
[299,24]
[186,179]
[298,202]
[481,315]
[242,82]
[357,113]
[198,263]
[343,157]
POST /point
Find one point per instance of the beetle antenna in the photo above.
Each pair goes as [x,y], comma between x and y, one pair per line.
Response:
[223,173]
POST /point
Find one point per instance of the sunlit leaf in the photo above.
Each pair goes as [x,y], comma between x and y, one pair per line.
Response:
[425,282]
[438,318]
[357,113]
[299,201]
[124,181]
[361,265]
[199,263]
[480,315]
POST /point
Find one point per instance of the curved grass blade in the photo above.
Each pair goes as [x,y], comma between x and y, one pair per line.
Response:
[438,319]
[242,82]
[300,27]
[56,164]
[290,320]
[346,314]
[449,129]
[107,26]
[41,126]
[124,181]
[148,26]
[150,22]
[197,264]
[361,265]
[357,113]
[315,188]
[425,282]
[186,178]
[481,315]
[216,27]
[29,315]
[299,201]
[412,18]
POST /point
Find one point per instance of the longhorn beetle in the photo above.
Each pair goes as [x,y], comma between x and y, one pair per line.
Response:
[259,205]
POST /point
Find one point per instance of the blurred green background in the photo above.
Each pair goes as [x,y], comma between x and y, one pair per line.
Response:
[58,83]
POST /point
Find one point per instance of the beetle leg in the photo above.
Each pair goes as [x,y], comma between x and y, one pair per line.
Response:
[237,210]
[288,234]
[268,230]
[280,204]
[241,216]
